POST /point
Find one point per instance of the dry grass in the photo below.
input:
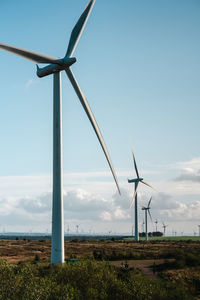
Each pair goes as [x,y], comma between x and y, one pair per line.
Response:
[15,251]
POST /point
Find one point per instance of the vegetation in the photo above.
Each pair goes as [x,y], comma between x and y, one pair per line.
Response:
[101,270]
[184,269]
[80,281]
[167,238]
[151,234]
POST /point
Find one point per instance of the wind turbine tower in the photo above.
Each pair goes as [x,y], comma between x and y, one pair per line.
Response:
[164,227]
[77,226]
[156,222]
[136,181]
[143,223]
[146,226]
[55,66]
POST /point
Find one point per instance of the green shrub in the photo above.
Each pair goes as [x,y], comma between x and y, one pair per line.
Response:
[37,258]
[85,280]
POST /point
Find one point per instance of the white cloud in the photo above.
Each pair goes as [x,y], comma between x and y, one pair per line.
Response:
[30,82]
[190,165]
[27,200]
[121,214]
[105,216]
[190,171]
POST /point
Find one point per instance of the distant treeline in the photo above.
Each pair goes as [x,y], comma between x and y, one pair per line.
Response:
[150,234]
[67,237]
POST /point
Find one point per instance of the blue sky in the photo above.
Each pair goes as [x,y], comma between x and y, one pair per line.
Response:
[138,65]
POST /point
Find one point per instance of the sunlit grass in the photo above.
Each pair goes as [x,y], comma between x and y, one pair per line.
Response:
[168,238]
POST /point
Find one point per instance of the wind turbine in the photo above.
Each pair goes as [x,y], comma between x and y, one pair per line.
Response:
[143,223]
[146,226]
[164,227]
[136,181]
[68,229]
[55,66]
[156,222]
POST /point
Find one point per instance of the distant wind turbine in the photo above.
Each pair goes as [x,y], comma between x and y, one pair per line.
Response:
[143,223]
[156,222]
[68,229]
[164,227]
[146,225]
[136,181]
[56,65]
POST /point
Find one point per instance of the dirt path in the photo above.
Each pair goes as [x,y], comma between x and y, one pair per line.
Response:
[143,265]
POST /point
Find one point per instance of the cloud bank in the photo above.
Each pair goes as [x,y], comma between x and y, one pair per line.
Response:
[26,201]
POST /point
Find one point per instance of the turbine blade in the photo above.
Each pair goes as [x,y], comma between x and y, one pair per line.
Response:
[136,169]
[78,28]
[92,121]
[148,185]
[133,198]
[150,215]
[34,56]
[149,202]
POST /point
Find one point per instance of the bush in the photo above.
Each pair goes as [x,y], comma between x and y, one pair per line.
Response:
[84,280]
[37,257]
[186,259]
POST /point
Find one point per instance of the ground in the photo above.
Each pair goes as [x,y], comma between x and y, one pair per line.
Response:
[176,261]
[23,250]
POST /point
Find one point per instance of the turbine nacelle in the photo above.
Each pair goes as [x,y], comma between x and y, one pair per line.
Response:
[135,180]
[145,208]
[59,65]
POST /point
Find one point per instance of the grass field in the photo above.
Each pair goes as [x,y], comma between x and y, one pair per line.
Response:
[169,238]
[156,248]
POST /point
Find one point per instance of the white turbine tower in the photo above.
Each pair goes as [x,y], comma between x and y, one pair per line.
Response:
[136,181]
[147,209]
[55,67]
